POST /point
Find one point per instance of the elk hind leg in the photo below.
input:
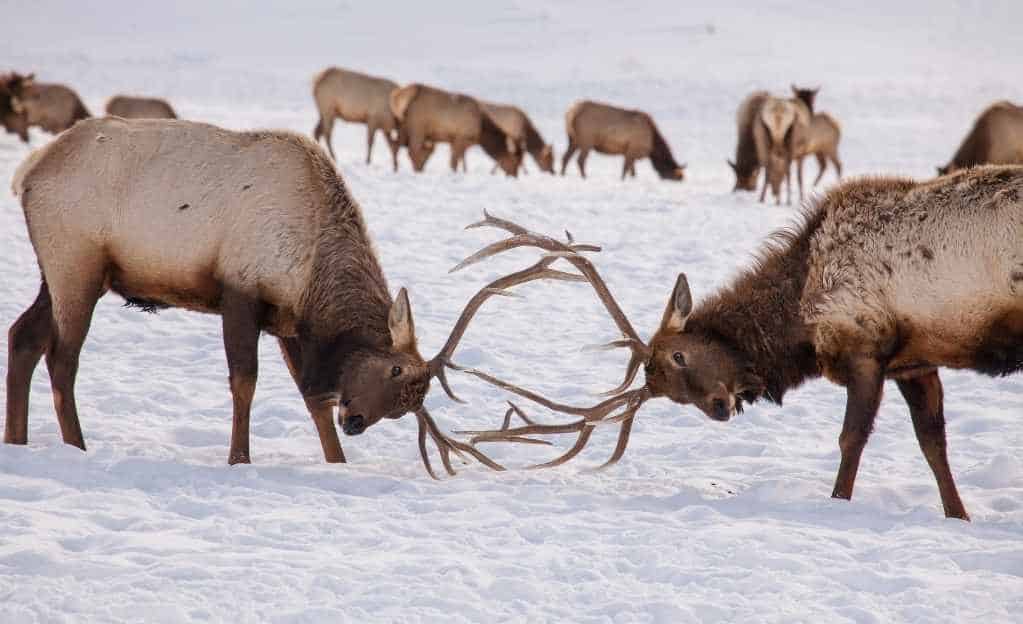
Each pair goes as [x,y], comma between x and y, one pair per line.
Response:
[241,315]
[822,164]
[863,397]
[572,147]
[27,340]
[322,416]
[581,161]
[925,397]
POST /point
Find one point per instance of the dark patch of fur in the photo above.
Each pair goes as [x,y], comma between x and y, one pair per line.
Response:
[183,207]
[660,155]
[1000,351]
[150,306]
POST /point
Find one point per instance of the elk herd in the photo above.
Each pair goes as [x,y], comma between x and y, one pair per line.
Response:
[883,278]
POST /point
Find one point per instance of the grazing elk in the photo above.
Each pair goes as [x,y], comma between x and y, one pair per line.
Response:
[996,138]
[428,116]
[885,278]
[747,162]
[612,130]
[257,227]
[132,107]
[520,128]
[822,137]
[52,107]
[780,136]
[12,111]
[356,98]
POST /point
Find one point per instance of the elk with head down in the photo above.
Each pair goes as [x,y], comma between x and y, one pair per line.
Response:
[133,107]
[612,130]
[12,111]
[746,165]
[780,137]
[995,138]
[52,107]
[520,128]
[257,227]
[428,116]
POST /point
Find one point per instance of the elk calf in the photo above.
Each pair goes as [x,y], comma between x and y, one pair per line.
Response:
[357,98]
[612,130]
[996,138]
[520,128]
[131,107]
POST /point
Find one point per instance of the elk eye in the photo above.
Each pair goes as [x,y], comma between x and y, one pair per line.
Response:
[679,359]
[395,371]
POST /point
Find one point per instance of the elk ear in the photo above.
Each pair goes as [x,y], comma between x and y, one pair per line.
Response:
[399,321]
[680,306]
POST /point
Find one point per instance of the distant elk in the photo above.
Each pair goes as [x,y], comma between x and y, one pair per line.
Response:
[357,98]
[52,107]
[747,165]
[132,107]
[520,128]
[12,110]
[885,278]
[612,130]
[257,227]
[780,136]
[996,138]
[822,137]
[428,116]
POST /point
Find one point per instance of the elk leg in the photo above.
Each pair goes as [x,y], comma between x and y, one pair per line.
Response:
[322,416]
[27,340]
[371,132]
[799,177]
[241,315]
[581,161]
[924,396]
[457,154]
[838,164]
[328,134]
[763,190]
[822,164]
[627,166]
[394,146]
[863,397]
[318,130]
[572,147]
[788,185]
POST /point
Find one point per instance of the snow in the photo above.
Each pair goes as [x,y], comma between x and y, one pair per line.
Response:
[700,521]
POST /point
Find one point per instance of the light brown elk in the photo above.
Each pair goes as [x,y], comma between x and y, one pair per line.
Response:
[996,138]
[12,111]
[52,107]
[746,165]
[520,128]
[357,98]
[257,227]
[428,116]
[134,107]
[780,136]
[612,130]
[822,137]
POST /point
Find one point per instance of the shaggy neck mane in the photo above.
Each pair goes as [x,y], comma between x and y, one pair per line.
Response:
[492,138]
[534,142]
[660,155]
[975,146]
[347,293]
[758,314]
[746,160]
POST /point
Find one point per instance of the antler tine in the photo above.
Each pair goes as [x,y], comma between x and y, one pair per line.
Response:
[445,446]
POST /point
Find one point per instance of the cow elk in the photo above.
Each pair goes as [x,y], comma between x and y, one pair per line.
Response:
[780,136]
[257,227]
[356,98]
[612,130]
[132,107]
[822,137]
[996,138]
[52,107]
[746,165]
[520,128]
[428,116]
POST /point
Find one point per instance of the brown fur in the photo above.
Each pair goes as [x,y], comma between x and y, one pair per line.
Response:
[747,164]
[429,116]
[12,113]
[885,278]
[996,138]
[780,137]
[520,128]
[612,130]
[822,138]
[132,107]
[807,96]
[358,98]
[275,244]
[53,107]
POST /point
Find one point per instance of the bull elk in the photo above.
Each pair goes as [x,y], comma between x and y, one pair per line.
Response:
[612,130]
[428,116]
[521,129]
[257,227]
[134,107]
[884,278]
[356,98]
[995,138]
[52,107]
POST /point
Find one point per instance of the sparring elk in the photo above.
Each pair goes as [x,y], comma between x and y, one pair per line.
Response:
[428,116]
[356,98]
[12,111]
[134,107]
[257,227]
[746,165]
[52,107]
[995,138]
[612,130]
[822,137]
[520,128]
[779,137]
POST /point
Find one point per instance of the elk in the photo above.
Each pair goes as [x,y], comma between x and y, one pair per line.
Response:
[12,111]
[356,98]
[257,227]
[428,116]
[822,137]
[52,107]
[884,278]
[612,130]
[520,128]
[780,136]
[996,138]
[132,107]
[746,165]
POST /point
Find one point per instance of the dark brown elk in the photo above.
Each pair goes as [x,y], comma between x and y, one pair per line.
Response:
[996,138]
[885,278]
[52,107]
[132,107]
[780,136]
[257,227]
[428,116]
[520,128]
[12,110]
[612,130]
[356,98]
[822,137]
[746,165]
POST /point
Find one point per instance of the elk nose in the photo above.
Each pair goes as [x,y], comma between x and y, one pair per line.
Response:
[719,410]
[354,425]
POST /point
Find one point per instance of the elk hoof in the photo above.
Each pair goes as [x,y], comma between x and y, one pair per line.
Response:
[239,458]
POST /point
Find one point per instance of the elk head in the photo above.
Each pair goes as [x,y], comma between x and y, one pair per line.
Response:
[744,181]
[678,173]
[808,96]
[546,159]
[13,115]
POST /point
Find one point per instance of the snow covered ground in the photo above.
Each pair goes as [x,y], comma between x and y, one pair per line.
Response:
[700,522]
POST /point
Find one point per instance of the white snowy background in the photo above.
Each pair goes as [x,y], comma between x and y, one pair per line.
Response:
[700,522]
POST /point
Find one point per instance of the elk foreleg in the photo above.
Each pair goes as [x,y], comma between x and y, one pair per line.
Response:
[572,147]
[27,340]
[322,415]
[863,397]
[241,316]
